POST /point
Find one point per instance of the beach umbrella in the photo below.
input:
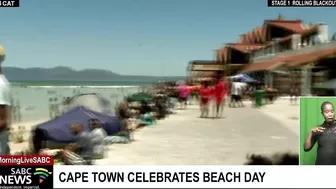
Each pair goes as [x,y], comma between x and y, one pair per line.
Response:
[141,96]
[331,84]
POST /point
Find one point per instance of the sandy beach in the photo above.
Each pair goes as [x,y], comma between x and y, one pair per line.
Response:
[183,138]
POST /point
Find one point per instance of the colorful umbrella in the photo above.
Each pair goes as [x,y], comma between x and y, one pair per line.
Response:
[138,97]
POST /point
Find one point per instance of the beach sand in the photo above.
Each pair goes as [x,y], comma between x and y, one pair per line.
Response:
[18,147]
[285,113]
[185,139]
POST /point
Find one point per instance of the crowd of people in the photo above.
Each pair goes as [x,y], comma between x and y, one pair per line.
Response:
[220,91]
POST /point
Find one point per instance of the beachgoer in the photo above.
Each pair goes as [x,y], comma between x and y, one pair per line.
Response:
[241,90]
[4,109]
[146,115]
[220,91]
[98,135]
[325,136]
[205,93]
[183,95]
[122,110]
[80,153]
[234,93]
[56,104]
[237,89]
[19,115]
[51,108]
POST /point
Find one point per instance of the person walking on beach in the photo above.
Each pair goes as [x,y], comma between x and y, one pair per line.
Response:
[205,93]
[325,136]
[220,91]
[237,89]
[4,109]
[183,94]
[234,93]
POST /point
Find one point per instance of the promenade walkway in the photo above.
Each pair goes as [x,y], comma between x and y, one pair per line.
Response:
[185,139]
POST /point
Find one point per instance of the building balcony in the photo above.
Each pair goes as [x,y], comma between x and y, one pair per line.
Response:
[306,49]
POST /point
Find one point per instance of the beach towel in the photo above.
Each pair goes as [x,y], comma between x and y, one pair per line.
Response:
[147,119]
[72,158]
[116,140]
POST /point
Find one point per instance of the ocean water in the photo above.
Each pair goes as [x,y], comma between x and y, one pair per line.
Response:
[33,99]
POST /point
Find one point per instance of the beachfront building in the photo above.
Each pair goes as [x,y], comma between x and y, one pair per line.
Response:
[285,54]
[203,69]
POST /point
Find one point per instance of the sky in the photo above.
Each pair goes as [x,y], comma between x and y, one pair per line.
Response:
[133,37]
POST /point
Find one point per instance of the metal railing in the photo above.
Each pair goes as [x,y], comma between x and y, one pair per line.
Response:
[305,49]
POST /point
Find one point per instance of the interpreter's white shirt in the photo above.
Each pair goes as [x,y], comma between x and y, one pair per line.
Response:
[4,91]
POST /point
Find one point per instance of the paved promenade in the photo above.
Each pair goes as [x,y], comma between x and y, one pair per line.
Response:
[185,139]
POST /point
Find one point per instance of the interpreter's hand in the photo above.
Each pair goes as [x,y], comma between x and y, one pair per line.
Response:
[317,129]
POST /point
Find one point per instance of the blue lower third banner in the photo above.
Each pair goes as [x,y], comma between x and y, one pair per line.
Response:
[26,177]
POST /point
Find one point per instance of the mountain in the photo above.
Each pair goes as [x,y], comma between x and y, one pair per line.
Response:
[62,73]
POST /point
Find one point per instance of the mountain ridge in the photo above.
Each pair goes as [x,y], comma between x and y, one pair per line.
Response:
[63,73]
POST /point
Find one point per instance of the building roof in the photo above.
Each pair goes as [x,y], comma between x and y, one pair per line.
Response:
[256,39]
[290,61]
[263,65]
[293,25]
[257,35]
[221,54]
[203,62]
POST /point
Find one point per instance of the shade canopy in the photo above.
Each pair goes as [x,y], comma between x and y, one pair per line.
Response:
[59,129]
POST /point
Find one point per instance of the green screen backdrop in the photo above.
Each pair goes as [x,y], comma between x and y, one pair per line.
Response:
[310,117]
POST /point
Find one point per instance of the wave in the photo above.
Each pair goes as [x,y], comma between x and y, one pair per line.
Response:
[78,86]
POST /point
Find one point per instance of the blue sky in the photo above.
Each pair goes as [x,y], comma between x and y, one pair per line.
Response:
[142,37]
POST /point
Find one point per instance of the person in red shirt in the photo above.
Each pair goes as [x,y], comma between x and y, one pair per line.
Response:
[220,92]
[205,94]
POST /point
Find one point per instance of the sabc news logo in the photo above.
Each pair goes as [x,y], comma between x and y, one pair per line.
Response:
[42,173]
[23,176]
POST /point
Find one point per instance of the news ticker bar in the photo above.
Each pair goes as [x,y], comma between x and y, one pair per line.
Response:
[9,3]
[301,3]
